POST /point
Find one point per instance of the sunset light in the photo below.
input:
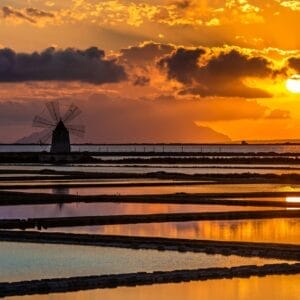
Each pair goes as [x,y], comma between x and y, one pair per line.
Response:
[293,84]
[150,149]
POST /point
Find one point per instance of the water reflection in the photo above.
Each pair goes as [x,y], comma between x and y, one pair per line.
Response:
[35,261]
[254,288]
[293,199]
[100,209]
[201,188]
[288,169]
[61,191]
[266,230]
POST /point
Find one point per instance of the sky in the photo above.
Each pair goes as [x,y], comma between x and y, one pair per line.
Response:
[149,71]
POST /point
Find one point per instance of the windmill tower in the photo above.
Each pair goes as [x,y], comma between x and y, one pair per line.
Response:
[60,139]
[58,128]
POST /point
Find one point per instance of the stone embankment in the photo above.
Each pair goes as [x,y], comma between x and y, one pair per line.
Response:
[59,285]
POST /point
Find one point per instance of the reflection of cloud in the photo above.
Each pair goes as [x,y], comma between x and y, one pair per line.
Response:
[287,230]
[61,191]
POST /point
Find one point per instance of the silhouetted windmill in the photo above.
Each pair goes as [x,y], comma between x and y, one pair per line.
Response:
[59,127]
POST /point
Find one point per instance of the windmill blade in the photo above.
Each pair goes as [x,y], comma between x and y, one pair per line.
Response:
[45,138]
[53,109]
[72,113]
[77,130]
[42,122]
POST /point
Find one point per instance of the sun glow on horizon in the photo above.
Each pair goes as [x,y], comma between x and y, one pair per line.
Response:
[293,199]
[293,84]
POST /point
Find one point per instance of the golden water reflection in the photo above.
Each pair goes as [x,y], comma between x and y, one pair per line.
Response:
[167,189]
[102,209]
[266,230]
[293,199]
[254,288]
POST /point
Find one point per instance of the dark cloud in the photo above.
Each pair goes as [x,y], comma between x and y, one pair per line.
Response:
[36,13]
[218,75]
[30,14]
[141,80]
[183,4]
[145,53]
[182,65]
[70,64]
[236,65]
[8,12]
[294,62]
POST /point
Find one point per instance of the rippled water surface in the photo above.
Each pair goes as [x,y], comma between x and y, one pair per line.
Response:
[167,189]
[35,261]
[148,168]
[103,209]
[254,288]
[265,230]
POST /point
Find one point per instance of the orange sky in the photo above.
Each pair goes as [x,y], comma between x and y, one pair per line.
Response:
[172,71]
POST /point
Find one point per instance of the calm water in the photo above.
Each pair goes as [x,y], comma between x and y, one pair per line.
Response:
[142,169]
[254,288]
[265,230]
[153,190]
[71,182]
[104,209]
[162,148]
[35,261]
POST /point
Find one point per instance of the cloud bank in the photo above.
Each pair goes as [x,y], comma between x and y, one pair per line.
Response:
[88,65]
[217,74]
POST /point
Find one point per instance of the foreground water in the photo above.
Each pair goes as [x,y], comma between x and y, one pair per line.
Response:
[265,230]
[254,288]
[156,190]
[144,168]
[106,209]
[36,261]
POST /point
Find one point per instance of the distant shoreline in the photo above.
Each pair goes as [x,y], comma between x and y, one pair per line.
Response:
[262,143]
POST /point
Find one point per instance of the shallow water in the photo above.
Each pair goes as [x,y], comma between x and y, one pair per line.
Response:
[265,230]
[142,169]
[16,175]
[87,181]
[254,288]
[104,209]
[35,261]
[152,190]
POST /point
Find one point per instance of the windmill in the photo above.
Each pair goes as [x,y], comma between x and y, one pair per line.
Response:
[58,127]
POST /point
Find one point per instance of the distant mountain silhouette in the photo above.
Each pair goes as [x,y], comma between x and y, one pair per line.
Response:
[33,138]
[278,141]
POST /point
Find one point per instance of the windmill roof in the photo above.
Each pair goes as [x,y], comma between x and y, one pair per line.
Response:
[60,126]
